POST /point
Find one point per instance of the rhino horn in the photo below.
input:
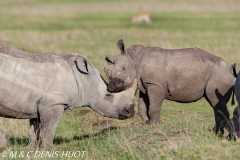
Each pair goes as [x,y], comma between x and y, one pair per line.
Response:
[133,88]
[108,73]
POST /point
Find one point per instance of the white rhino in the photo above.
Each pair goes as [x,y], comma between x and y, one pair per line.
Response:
[181,75]
[41,87]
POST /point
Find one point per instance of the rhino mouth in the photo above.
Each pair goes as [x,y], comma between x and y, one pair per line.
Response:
[119,88]
[116,85]
[116,89]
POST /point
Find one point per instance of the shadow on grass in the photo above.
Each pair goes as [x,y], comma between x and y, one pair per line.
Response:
[60,140]
[24,141]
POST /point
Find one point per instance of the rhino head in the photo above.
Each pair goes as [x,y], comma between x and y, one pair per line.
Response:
[124,69]
[93,91]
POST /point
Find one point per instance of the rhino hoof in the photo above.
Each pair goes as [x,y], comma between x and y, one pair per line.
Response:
[146,122]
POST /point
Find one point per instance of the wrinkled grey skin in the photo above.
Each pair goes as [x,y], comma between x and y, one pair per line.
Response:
[181,75]
[4,138]
[233,125]
[41,87]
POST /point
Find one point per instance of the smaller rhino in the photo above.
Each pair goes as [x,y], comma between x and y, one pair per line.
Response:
[181,75]
[4,138]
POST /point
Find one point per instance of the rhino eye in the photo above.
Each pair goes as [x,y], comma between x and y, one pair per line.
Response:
[108,95]
[123,68]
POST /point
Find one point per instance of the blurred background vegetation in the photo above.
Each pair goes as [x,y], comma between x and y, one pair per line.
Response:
[92,27]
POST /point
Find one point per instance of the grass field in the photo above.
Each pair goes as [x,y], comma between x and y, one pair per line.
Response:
[92,29]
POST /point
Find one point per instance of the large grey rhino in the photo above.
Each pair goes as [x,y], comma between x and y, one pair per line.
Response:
[181,75]
[40,87]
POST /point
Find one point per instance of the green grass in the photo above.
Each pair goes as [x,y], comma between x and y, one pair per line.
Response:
[92,29]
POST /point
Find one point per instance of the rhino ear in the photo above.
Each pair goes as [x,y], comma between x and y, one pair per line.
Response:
[233,68]
[120,45]
[82,65]
[109,60]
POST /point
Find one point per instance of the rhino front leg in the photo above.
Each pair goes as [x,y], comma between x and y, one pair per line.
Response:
[34,132]
[156,97]
[143,107]
[49,118]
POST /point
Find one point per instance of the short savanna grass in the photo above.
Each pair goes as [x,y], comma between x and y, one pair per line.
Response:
[92,29]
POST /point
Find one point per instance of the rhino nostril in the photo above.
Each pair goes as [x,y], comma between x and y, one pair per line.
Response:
[119,84]
[126,111]
[130,110]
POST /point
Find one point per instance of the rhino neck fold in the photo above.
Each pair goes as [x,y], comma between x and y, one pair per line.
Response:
[90,88]
[95,90]
[137,59]
[80,89]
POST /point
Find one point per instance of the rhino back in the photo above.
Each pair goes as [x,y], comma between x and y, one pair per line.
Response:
[183,73]
[27,80]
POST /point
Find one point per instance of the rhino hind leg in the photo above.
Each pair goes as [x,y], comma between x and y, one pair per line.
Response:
[34,131]
[221,116]
[218,101]
[49,119]
[143,107]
